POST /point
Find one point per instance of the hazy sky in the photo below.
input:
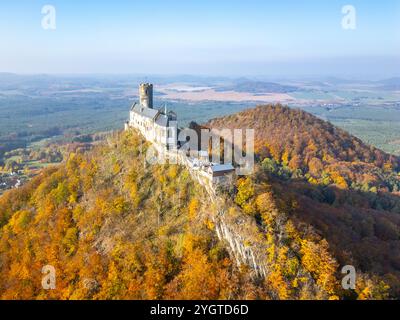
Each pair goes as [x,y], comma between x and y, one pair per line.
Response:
[201,37]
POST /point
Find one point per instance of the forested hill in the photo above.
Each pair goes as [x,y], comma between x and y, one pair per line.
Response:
[308,146]
[116,227]
[348,191]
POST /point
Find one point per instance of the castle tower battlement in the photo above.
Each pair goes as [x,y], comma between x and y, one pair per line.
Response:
[156,125]
[146,95]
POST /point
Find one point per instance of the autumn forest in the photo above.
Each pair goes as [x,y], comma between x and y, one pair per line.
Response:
[116,227]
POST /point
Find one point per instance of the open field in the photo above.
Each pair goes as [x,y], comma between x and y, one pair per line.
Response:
[213,95]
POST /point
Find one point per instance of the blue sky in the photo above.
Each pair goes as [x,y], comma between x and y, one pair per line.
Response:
[215,37]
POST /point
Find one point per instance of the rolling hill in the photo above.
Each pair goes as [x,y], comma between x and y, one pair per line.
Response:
[258,87]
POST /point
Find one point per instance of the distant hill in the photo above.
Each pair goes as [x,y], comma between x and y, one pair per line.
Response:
[243,85]
[392,84]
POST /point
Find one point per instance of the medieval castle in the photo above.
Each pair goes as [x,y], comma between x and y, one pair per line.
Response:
[156,125]
[161,129]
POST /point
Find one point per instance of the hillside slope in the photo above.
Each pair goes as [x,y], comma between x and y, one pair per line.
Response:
[115,227]
[348,191]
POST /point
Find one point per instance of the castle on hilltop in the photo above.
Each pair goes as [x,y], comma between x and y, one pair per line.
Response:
[156,125]
[160,127]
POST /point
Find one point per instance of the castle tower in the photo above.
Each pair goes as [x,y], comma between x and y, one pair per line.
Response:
[146,95]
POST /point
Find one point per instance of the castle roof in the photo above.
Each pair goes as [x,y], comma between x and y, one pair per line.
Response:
[162,120]
[220,169]
[155,115]
[145,111]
